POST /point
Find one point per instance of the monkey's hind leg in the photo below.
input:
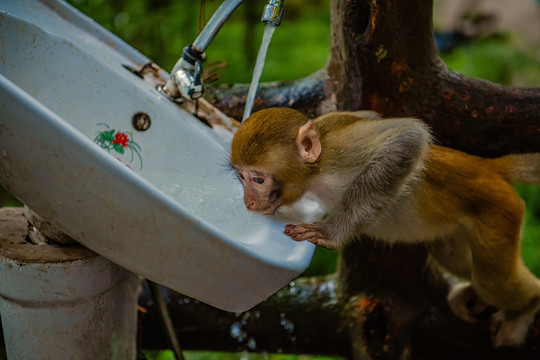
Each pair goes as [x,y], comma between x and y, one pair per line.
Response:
[453,252]
[499,276]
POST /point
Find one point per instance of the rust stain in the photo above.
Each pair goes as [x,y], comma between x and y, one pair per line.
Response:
[465,94]
[369,304]
[374,14]
[373,100]
[398,68]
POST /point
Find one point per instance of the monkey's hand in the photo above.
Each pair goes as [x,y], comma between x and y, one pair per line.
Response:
[312,233]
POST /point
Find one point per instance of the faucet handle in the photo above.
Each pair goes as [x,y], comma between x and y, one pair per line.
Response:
[186,79]
[197,88]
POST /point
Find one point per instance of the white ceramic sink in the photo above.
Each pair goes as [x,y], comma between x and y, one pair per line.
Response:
[166,208]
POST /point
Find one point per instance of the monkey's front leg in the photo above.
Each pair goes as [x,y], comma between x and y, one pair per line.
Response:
[312,233]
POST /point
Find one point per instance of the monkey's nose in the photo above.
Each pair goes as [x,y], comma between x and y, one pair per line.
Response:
[250,204]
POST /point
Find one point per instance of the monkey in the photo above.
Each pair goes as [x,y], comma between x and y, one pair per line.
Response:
[386,178]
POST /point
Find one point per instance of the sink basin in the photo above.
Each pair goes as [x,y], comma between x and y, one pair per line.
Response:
[157,200]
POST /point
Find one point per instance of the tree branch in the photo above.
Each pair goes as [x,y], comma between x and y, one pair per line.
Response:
[385,303]
[305,317]
[392,62]
[306,94]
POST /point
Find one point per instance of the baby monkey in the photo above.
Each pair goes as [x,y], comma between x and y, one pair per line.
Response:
[384,178]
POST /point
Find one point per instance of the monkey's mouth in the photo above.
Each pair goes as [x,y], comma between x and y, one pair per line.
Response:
[270,210]
[270,206]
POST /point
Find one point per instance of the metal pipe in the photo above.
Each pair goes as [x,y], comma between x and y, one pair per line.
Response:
[214,24]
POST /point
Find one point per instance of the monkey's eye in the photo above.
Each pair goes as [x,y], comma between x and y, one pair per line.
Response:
[240,176]
[258,180]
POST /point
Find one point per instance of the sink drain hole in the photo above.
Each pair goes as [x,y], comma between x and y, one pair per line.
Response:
[141,121]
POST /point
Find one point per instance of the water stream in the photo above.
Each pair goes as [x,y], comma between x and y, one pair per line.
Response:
[259,65]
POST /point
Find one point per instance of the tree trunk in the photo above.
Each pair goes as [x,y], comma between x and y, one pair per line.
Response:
[390,60]
[389,303]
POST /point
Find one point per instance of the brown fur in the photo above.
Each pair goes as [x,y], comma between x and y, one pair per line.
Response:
[385,179]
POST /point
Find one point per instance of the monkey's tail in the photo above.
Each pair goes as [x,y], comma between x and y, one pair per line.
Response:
[520,169]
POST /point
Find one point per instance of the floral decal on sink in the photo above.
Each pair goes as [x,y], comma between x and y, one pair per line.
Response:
[118,142]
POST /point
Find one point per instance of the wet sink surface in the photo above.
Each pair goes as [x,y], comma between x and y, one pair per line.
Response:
[158,202]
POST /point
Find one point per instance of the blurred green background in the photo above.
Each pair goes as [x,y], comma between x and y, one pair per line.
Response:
[161,28]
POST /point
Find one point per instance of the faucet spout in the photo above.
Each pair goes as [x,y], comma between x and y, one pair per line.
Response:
[273,12]
[185,80]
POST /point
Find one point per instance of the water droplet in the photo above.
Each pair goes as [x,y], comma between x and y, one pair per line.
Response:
[292,290]
[235,330]
[237,333]
[287,324]
[252,344]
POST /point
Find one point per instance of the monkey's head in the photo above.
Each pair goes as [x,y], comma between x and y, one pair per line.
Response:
[274,153]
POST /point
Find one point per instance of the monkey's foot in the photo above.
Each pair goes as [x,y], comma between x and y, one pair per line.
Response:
[311,233]
[465,303]
[510,330]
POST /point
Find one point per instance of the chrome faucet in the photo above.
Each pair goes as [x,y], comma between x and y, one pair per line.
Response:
[185,80]
[273,12]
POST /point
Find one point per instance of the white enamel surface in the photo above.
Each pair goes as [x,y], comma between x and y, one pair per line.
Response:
[175,216]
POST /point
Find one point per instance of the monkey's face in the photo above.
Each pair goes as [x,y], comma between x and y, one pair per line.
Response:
[262,194]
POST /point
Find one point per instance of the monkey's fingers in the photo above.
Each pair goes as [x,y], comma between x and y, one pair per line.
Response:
[311,233]
[298,232]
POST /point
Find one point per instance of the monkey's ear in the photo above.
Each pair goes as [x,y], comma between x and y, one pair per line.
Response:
[308,143]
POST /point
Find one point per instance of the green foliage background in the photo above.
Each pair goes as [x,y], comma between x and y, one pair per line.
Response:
[161,29]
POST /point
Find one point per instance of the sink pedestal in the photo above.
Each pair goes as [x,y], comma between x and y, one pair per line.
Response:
[63,302]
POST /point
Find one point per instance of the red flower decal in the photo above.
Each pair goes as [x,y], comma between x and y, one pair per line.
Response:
[112,140]
[121,138]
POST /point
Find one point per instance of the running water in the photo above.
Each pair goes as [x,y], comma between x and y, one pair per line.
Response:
[259,65]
